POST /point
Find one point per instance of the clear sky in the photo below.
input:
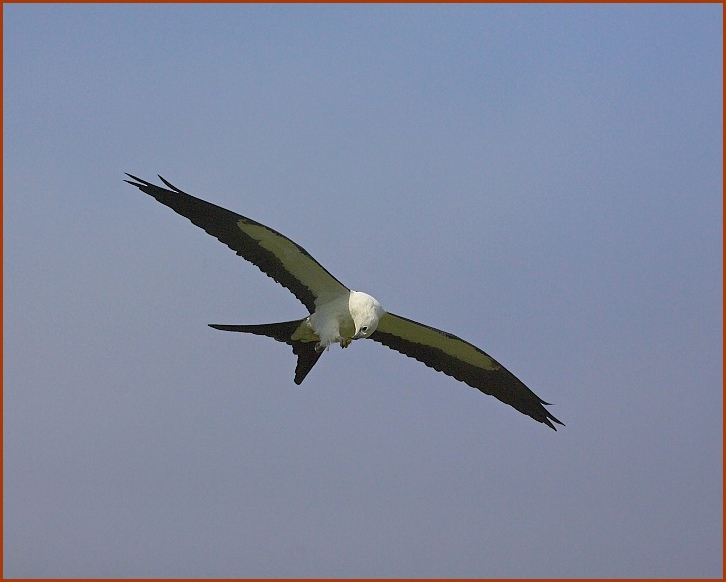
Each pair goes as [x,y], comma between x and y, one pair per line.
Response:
[543,181]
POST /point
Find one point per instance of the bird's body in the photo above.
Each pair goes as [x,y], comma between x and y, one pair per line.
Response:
[332,322]
[338,314]
[351,316]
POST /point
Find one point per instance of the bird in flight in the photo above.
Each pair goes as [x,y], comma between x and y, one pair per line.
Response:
[338,314]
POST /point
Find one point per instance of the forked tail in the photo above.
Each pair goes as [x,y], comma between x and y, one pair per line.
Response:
[306,354]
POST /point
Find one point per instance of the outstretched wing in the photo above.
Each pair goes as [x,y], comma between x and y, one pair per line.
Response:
[451,355]
[273,253]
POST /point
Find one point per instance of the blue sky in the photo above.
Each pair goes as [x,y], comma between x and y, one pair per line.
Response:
[543,181]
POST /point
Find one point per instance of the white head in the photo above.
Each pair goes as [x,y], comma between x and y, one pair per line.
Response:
[366,312]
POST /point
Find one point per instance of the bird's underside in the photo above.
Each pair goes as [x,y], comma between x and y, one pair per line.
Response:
[338,315]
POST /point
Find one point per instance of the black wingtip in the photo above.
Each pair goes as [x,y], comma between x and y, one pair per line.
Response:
[170,185]
[138,182]
[549,418]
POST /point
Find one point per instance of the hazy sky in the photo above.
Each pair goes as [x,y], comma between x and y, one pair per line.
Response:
[543,181]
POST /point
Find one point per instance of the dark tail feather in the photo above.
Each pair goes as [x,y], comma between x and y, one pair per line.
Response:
[306,354]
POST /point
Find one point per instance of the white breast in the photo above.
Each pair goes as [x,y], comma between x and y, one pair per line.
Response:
[332,321]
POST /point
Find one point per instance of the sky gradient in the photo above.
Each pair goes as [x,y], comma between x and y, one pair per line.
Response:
[542,181]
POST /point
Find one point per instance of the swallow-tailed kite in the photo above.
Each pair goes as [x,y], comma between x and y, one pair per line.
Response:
[337,314]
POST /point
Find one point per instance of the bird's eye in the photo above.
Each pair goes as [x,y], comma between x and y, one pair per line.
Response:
[364,328]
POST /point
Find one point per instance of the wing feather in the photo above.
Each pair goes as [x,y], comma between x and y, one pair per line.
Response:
[455,357]
[273,253]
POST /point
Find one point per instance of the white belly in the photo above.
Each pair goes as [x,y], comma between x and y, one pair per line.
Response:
[332,322]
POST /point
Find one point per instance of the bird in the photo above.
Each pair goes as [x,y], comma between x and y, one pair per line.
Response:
[338,314]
